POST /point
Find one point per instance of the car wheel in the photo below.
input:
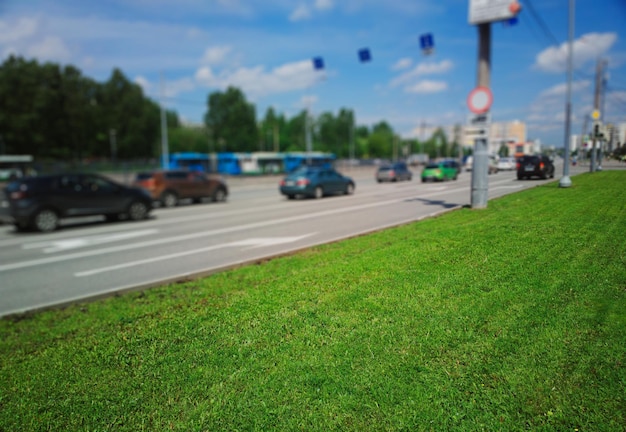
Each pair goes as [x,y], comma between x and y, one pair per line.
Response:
[219,195]
[46,220]
[291,197]
[137,211]
[169,199]
[349,189]
[319,192]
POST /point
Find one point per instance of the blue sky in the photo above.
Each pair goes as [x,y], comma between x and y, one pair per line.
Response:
[265,48]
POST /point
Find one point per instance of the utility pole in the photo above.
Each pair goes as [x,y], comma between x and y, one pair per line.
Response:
[596,105]
[307,135]
[165,153]
[422,137]
[112,134]
[481,153]
[565,181]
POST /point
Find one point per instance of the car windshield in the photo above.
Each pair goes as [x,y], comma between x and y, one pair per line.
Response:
[432,166]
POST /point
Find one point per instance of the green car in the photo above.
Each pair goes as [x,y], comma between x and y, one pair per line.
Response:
[439,171]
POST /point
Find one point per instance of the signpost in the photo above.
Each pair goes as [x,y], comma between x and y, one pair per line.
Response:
[482,13]
[427,44]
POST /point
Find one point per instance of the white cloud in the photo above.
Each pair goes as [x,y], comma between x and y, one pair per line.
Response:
[23,37]
[561,89]
[305,12]
[50,48]
[215,55]
[143,83]
[588,47]
[257,81]
[323,4]
[302,12]
[427,86]
[205,76]
[403,63]
[173,88]
[19,30]
[422,69]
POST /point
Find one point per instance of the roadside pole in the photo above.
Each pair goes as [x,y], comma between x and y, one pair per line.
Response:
[165,152]
[482,13]
[565,181]
[480,180]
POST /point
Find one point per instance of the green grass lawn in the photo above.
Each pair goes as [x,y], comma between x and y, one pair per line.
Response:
[508,318]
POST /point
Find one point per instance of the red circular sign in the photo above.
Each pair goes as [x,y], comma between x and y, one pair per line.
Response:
[479,100]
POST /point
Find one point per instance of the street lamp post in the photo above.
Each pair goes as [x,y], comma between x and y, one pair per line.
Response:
[565,180]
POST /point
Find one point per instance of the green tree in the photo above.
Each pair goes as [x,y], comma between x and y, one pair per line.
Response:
[134,118]
[189,139]
[295,133]
[270,130]
[232,121]
[381,141]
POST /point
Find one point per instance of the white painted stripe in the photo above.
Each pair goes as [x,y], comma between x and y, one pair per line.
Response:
[252,243]
[180,238]
[77,242]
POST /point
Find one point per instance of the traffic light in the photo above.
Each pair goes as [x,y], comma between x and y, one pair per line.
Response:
[596,130]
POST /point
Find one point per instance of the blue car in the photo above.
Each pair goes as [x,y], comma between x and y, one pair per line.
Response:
[315,182]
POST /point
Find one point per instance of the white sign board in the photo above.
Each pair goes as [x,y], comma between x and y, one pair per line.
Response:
[483,11]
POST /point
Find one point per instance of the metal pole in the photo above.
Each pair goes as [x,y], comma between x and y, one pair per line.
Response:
[307,136]
[565,181]
[480,181]
[112,133]
[603,141]
[165,153]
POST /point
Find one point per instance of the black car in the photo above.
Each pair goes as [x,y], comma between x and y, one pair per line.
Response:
[392,173]
[535,166]
[40,202]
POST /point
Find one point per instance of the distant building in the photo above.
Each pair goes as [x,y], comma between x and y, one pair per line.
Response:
[508,134]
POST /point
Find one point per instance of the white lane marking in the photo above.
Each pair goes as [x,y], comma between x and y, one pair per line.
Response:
[253,243]
[73,243]
[192,236]
[508,187]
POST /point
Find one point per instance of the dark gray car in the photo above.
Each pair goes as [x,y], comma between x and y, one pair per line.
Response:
[392,173]
[41,202]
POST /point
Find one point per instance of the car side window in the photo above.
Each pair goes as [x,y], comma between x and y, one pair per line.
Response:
[176,175]
[70,183]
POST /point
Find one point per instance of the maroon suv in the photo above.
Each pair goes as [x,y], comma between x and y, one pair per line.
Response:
[169,187]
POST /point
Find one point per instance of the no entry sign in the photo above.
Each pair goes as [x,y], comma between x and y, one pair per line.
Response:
[479,100]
